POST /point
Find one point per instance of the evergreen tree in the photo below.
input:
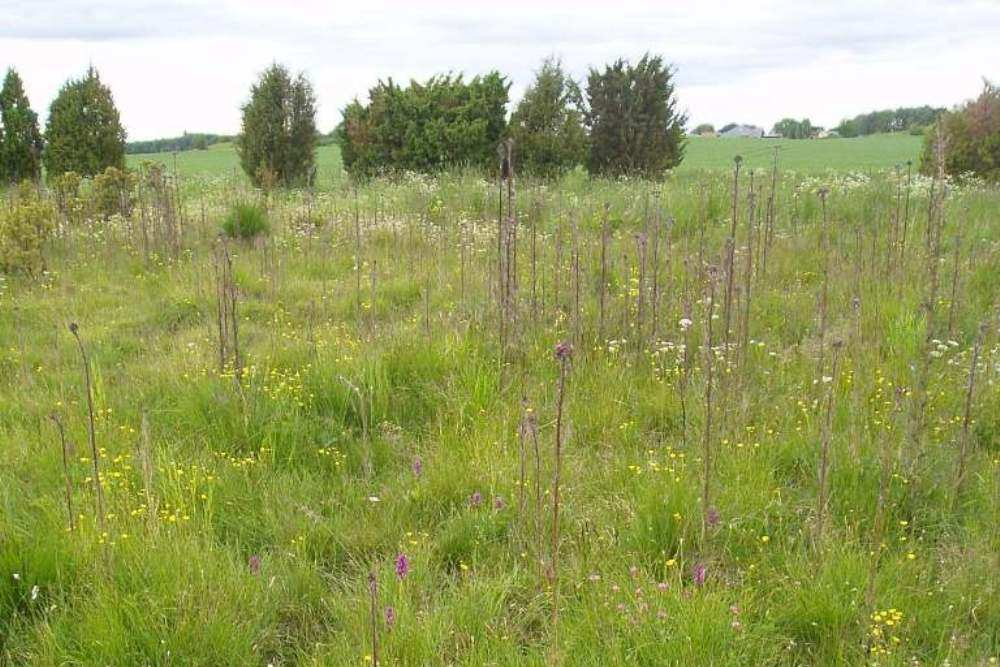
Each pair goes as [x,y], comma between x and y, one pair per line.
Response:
[20,139]
[84,131]
[547,126]
[635,127]
[278,141]
[425,127]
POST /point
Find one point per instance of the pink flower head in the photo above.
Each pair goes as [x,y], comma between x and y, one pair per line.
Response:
[418,466]
[402,566]
[255,564]
[564,351]
[476,499]
[390,616]
[698,574]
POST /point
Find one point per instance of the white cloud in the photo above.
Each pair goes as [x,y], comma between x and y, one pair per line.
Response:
[177,66]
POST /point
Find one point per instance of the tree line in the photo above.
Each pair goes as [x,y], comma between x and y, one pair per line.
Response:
[889,120]
[626,122]
[623,121]
[189,141]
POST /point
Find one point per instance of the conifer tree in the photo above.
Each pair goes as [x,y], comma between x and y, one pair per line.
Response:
[20,139]
[84,132]
[547,126]
[278,141]
[635,127]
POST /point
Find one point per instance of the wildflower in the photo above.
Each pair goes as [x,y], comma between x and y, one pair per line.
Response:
[390,616]
[698,574]
[564,351]
[663,586]
[254,564]
[418,466]
[476,499]
[671,562]
[685,324]
[498,503]
[633,572]
[402,566]
[713,517]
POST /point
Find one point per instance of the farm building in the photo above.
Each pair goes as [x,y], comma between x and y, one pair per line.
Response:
[743,131]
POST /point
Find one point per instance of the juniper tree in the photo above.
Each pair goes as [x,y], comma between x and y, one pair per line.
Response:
[635,127]
[84,133]
[277,144]
[547,126]
[20,139]
[425,127]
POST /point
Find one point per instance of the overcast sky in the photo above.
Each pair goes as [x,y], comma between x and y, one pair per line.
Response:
[188,64]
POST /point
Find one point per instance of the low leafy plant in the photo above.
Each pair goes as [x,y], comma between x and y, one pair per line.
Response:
[25,224]
[246,221]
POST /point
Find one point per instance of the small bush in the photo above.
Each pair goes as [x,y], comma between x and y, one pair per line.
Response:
[246,221]
[65,190]
[114,191]
[25,224]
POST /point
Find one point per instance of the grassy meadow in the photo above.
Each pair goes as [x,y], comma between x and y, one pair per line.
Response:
[863,154]
[355,440]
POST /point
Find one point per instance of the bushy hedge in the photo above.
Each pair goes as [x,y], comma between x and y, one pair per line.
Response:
[425,127]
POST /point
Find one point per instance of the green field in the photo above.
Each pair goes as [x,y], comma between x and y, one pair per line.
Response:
[807,156]
[359,432]
[875,152]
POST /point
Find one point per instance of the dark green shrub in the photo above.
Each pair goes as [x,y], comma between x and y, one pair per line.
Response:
[425,127]
[635,126]
[547,126]
[20,139]
[84,131]
[278,143]
[246,221]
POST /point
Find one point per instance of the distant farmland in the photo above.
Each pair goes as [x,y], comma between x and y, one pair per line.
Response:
[874,152]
